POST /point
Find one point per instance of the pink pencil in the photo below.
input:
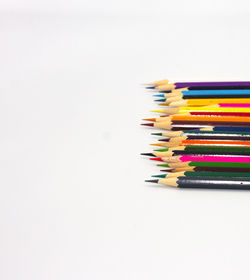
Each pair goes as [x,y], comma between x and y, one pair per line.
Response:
[236,105]
[212,158]
[243,159]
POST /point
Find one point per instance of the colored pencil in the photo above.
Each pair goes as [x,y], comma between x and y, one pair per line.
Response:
[211,119]
[178,102]
[202,174]
[198,93]
[207,169]
[237,183]
[185,110]
[208,137]
[201,150]
[206,158]
[199,119]
[174,142]
[203,133]
[187,125]
[175,165]
[185,93]
[227,129]
[191,85]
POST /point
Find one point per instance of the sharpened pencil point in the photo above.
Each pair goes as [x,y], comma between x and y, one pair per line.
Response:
[157,134]
[150,120]
[160,100]
[158,95]
[156,144]
[164,140]
[161,150]
[157,111]
[147,124]
[157,159]
[159,176]
[163,165]
[152,181]
[148,154]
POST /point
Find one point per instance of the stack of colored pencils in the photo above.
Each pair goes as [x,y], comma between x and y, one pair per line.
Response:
[205,130]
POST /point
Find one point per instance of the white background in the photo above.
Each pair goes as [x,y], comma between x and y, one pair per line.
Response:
[74,204]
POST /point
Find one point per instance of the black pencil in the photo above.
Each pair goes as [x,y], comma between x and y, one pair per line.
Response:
[239,183]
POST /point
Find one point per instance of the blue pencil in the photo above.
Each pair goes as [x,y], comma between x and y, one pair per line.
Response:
[228,128]
[227,92]
[217,92]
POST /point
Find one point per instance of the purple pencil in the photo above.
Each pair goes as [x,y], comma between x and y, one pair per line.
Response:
[205,85]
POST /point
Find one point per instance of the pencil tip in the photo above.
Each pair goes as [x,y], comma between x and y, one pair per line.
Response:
[157,159]
[160,100]
[157,111]
[152,181]
[147,124]
[159,176]
[156,144]
[148,154]
[163,165]
[158,95]
[150,120]
[157,134]
[164,140]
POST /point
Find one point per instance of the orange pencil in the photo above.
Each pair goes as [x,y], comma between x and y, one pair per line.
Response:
[209,119]
[178,141]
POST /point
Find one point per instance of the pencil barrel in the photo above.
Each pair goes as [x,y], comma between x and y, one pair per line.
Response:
[239,183]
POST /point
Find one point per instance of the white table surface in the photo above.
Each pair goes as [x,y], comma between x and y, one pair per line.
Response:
[74,204]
